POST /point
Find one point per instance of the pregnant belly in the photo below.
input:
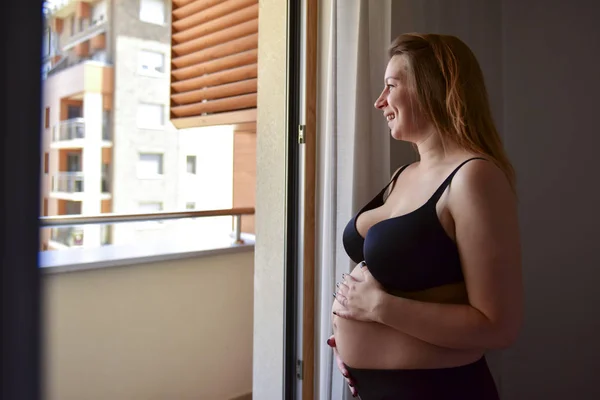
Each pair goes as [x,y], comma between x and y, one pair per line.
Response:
[376,346]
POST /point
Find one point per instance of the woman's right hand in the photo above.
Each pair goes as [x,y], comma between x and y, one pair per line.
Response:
[341,366]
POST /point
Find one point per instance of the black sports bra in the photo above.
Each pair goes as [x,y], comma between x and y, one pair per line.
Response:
[410,252]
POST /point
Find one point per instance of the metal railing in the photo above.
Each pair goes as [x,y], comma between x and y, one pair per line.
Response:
[67,235]
[70,129]
[68,182]
[87,33]
[76,220]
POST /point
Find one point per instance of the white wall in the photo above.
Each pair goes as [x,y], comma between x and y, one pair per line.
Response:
[179,329]
[270,201]
[540,61]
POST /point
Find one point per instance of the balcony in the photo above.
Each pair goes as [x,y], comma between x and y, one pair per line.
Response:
[66,236]
[173,321]
[90,32]
[68,182]
[72,129]
[71,134]
[71,185]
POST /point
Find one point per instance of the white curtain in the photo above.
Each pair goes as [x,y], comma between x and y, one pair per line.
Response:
[353,149]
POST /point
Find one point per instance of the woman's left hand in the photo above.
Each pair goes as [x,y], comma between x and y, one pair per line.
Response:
[360,298]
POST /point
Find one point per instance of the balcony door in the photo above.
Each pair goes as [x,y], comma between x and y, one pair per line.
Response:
[73,162]
[74,112]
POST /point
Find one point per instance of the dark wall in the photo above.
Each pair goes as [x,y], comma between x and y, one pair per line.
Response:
[551,88]
[478,23]
[541,64]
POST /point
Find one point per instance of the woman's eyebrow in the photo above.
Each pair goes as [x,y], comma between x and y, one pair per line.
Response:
[392,77]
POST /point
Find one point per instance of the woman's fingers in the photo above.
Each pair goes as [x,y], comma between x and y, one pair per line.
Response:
[352,390]
[331,341]
[341,366]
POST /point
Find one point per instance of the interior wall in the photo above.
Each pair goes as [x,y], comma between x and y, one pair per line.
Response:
[551,89]
[477,23]
[540,63]
[179,329]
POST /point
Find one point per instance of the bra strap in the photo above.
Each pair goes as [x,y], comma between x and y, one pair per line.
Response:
[438,193]
[394,178]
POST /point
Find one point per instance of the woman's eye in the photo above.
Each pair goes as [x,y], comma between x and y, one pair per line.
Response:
[389,87]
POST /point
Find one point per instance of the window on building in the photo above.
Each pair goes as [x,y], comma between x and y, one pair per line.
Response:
[46,43]
[150,165]
[190,205]
[47,118]
[149,206]
[98,14]
[72,21]
[46,162]
[151,62]
[191,164]
[151,116]
[152,11]
[100,56]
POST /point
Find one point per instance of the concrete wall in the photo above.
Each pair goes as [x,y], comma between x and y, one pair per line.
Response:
[169,330]
[210,188]
[540,63]
[126,17]
[132,88]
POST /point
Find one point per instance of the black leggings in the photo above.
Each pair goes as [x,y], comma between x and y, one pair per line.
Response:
[470,382]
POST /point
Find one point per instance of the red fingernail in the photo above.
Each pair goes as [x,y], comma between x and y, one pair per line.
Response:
[329,342]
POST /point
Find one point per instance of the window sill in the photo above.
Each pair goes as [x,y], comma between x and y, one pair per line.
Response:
[156,23]
[147,74]
[152,128]
[83,259]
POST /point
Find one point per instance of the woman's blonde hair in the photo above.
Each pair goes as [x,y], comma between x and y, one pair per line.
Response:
[446,80]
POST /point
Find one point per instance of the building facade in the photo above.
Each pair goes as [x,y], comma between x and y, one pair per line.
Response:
[108,143]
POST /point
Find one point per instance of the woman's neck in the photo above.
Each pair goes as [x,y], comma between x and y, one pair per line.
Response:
[433,150]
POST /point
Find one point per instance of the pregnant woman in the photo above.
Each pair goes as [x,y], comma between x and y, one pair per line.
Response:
[438,280]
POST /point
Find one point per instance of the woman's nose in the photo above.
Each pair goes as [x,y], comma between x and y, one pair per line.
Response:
[380,102]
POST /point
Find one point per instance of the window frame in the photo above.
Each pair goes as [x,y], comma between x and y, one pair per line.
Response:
[187,164]
[161,166]
[141,122]
[152,21]
[151,72]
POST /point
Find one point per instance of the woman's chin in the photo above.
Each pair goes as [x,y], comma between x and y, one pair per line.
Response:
[396,135]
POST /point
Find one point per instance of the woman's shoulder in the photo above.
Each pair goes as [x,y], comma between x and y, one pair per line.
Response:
[480,180]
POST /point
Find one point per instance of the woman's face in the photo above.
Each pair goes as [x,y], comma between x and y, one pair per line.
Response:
[395,101]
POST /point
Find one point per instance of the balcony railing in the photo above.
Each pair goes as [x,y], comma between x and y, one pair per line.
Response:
[71,129]
[74,129]
[78,220]
[68,182]
[88,32]
[68,236]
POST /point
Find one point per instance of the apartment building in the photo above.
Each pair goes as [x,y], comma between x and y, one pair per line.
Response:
[108,142]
